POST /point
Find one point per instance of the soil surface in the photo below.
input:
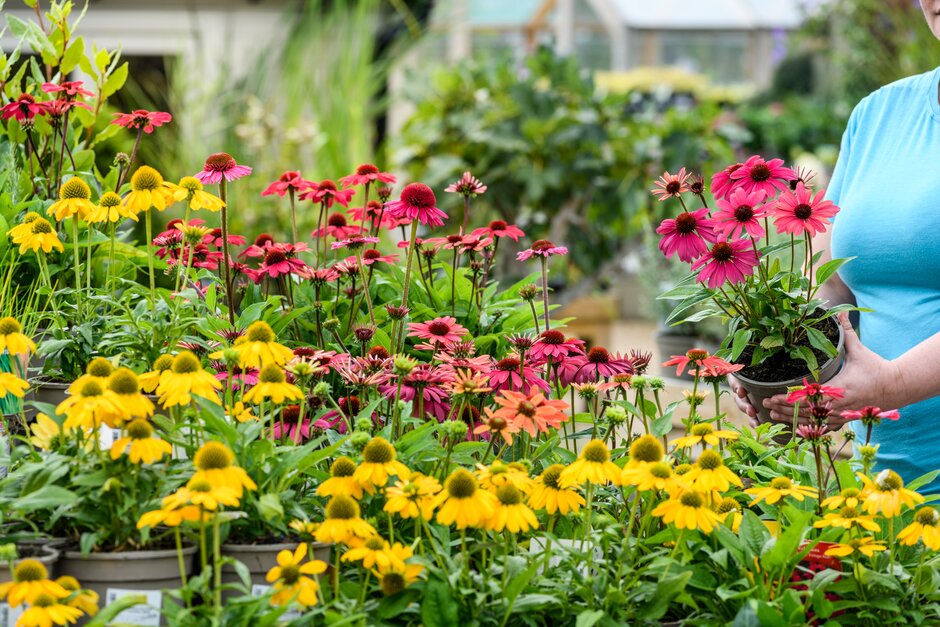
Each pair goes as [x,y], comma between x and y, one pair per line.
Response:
[780,366]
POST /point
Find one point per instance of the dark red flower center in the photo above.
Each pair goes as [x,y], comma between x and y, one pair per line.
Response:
[350,405]
[220,162]
[598,355]
[498,225]
[454,239]
[508,363]
[697,354]
[263,239]
[366,168]
[371,254]
[743,213]
[439,328]
[760,172]
[542,244]
[274,256]
[553,337]
[673,187]
[722,251]
[336,219]
[379,351]
[686,223]
[374,207]
[697,186]
[418,195]
[327,185]
[803,211]
[290,413]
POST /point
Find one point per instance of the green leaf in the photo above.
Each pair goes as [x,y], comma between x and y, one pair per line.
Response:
[269,505]
[588,618]
[829,268]
[741,338]
[438,608]
[115,81]
[774,340]
[73,54]
[47,497]
[819,341]
[666,591]
[753,533]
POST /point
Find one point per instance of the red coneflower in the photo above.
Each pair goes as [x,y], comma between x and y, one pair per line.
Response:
[262,243]
[278,261]
[289,181]
[722,184]
[531,413]
[141,118]
[367,173]
[759,175]
[444,330]
[467,185]
[24,109]
[336,227]
[221,165]
[688,235]
[327,193]
[728,261]
[508,375]
[69,88]
[871,415]
[553,345]
[498,229]
[671,185]
[740,213]
[800,212]
[417,202]
[541,248]
[814,392]
[373,256]
[694,361]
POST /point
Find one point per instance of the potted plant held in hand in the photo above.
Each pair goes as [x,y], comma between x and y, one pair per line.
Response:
[749,258]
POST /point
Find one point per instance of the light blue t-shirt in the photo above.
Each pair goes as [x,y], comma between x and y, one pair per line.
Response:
[889,192]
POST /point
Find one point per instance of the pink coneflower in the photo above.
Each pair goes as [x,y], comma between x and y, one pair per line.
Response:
[720,369]
[671,185]
[373,214]
[326,192]
[506,375]
[372,256]
[278,262]
[811,433]
[541,248]
[320,276]
[871,415]
[467,185]
[214,237]
[221,165]
[346,268]
[24,109]
[814,392]
[599,363]
[70,89]
[430,383]
[498,229]
[475,244]
[247,377]
[722,185]
[57,109]
[289,181]
[354,242]
[800,212]
[759,175]
[694,361]
[367,173]
[262,243]
[336,227]
[417,202]
[640,360]
[444,330]
[740,213]
[552,345]
[688,235]
[141,118]
[726,262]
[619,382]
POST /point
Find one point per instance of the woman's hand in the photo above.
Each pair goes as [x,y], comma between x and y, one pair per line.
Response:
[867,378]
[739,394]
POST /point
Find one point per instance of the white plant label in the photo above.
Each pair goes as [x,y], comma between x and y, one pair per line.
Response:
[145,615]
[9,615]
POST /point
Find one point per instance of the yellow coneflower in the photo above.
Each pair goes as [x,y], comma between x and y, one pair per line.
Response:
[886,494]
[190,189]
[216,464]
[709,473]
[259,347]
[140,445]
[688,510]
[511,511]
[592,466]
[290,578]
[780,487]
[730,512]
[12,384]
[184,379]
[171,514]
[124,393]
[500,473]
[548,494]
[150,380]
[241,412]
[12,338]
[463,502]
[394,580]
[147,190]
[847,518]
[47,609]
[41,237]
[378,462]
[44,431]
[703,433]
[926,527]
[110,209]
[412,497]
[201,492]
[87,407]
[372,552]
[867,546]
[30,579]
[74,200]
[272,385]
[306,529]
[654,476]
[23,229]
[646,449]
[341,480]
[84,600]
[847,497]
[343,522]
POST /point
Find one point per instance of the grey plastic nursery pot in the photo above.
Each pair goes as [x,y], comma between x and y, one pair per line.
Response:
[260,558]
[43,553]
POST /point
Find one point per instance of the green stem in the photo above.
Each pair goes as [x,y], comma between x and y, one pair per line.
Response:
[149,229]
[229,297]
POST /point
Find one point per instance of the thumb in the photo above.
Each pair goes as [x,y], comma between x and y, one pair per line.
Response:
[852,343]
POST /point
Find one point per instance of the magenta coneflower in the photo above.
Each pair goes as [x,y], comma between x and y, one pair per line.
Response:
[372,256]
[671,185]
[722,185]
[289,181]
[506,375]
[354,242]
[320,276]
[141,118]
[444,330]
[800,212]
[467,185]
[367,173]
[24,109]
[417,202]
[741,212]
[767,176]
[726,261]
[260,246]
[498,229]
[599,363]
[541,248]
[327,193]
[278,262]
[221,165]
[425,384]
[688,235]
[336,227]
[553,345]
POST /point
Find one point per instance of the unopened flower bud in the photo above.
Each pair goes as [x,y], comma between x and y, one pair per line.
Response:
[321,390]
[454,429]
[359,439]
[364,423]
[403,365]
[639,382]
[331,324]
[656,383]
[230,356]
[8,552]
[616,415]
[529,292]
[122,159]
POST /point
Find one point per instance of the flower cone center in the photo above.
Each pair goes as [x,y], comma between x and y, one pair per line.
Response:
[378,451]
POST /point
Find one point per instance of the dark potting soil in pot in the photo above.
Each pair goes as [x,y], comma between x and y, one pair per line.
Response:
[780,366]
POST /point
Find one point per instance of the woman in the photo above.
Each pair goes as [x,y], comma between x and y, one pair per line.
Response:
[889,221]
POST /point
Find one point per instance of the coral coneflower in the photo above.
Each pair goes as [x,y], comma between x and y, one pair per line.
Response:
[444,330]
[365,174]
[671,185]
[541,248]
[417,202]
[741,213]
[141,118]
[814,392]
[730,261]
[498,229]
[800,212]
[755,174]
[531,413]
[289,182]
[221,165]
[467,185]
[687,235]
